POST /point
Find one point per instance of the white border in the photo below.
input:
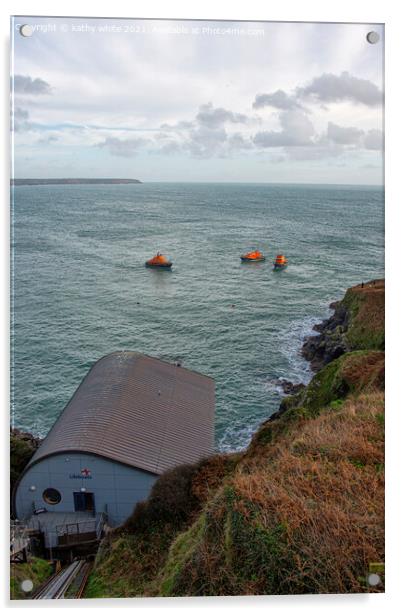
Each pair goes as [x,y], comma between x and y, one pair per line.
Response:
[384,11]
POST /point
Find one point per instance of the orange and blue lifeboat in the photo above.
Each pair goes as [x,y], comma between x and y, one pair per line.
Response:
[280,262]
[159,261]
[253,257]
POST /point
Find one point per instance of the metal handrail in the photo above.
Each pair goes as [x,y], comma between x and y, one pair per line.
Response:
[18,531]
[84,526]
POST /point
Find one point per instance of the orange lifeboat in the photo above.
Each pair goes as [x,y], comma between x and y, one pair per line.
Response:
[253,257]
[159,260]
[281,262]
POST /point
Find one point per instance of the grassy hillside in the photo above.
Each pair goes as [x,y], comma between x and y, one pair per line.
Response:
[300,511]
[366,309]
[36,570]
[131,557]
[302,514]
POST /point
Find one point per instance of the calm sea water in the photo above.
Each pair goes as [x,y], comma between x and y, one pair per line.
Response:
[81,289]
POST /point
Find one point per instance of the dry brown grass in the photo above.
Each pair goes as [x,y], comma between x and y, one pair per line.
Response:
[326,486]
[306,518]
[351,431]
[211,473]
[365,372]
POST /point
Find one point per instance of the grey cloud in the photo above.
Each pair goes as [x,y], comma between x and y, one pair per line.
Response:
[183,125]
[344,135]
[205,136]
[330,88]
[169,147]
[320,151]
[126,148]
[27,85]
[374,140]
[236,141]
[278,99]
[349,135]
[214,117]
[297,130]
[205,142]
[164,143]
[49,139]
[21,114]
[20,120]
[273,139]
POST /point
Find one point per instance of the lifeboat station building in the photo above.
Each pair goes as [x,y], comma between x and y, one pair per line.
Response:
[132,418]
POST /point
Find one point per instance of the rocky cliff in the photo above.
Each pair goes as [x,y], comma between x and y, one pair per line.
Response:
[356,324]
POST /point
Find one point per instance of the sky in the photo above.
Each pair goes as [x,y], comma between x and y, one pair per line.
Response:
[197,101]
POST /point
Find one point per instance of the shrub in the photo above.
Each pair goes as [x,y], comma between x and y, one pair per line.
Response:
[170,501]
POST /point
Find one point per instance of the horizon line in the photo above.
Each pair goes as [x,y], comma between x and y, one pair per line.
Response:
[193,181]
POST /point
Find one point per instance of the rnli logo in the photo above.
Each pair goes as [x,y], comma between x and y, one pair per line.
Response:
[85,473]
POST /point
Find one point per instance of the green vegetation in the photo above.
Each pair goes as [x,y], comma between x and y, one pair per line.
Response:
[36,570]
[351,373]
[21,451]
[366,316]
[301,510]
[131,557]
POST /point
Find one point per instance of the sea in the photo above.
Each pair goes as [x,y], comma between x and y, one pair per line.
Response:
[80,289]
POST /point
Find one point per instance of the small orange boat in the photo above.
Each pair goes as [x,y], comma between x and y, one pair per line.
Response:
[159,260]
[253,257]
[281,262]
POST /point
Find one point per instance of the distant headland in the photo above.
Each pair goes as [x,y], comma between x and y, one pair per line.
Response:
[52,181]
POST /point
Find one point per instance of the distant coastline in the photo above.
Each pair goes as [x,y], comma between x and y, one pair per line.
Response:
[51,181]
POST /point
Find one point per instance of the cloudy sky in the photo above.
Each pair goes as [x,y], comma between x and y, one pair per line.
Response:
[198,101]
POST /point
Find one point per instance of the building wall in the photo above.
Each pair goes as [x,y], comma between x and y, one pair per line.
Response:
[116,487]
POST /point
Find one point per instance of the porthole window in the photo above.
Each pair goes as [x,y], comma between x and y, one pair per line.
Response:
[51,496]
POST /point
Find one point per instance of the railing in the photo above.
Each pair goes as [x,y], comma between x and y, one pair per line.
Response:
[79,532]
[19,539]
[102,519]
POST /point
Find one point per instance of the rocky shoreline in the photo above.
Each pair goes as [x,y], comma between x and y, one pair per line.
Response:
[319,350]
[352,326]
[330,342]
[332,338]
[26,437]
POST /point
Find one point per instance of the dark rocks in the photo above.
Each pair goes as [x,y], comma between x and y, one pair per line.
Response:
[26,437]
[290,391]
[330,343]
[288,387]
[22,447]
[356,324]
[276,415]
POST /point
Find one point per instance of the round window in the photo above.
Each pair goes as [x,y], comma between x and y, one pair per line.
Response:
[51,496]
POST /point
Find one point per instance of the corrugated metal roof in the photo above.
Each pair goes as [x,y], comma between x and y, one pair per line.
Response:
[137,410]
